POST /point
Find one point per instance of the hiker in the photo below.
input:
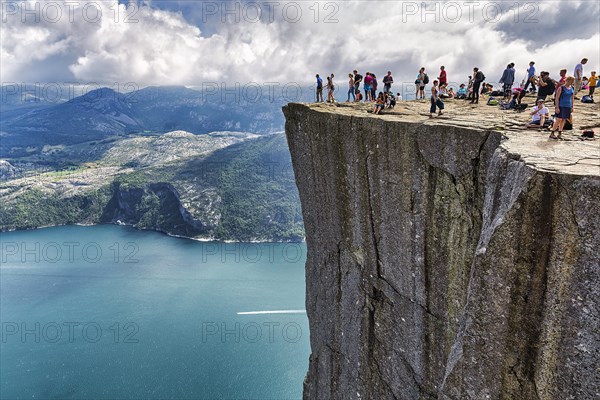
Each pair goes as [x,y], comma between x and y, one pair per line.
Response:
[319,89]
[330,89]
[435,100]
[357,80]
[442,78]
[373,86]
[546,86]
[351,88]
[593,81]
[379,104]
[367,86]
[451,94]
[387,82]
[420,84]
[479,77]
[530,77]
[578,72]
[539,115]
[462,92]
[508,78]
[398,96]
[563,104]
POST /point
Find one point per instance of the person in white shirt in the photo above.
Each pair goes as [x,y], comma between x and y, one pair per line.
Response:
[578,74]
[539,114]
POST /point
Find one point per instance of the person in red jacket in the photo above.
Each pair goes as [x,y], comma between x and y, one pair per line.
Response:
[442,78]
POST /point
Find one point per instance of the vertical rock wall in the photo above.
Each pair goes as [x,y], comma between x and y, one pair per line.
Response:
[440,266]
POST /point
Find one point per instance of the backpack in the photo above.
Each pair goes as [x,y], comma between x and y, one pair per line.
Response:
[426,79]
[480,76]
[569,124]
[587,99]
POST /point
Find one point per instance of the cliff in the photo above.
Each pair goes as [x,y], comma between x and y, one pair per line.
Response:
[453,258]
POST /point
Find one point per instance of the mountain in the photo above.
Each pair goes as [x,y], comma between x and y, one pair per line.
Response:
[223,185]
[104,113]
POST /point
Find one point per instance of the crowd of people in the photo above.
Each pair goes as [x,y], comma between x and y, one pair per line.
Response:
[565,90]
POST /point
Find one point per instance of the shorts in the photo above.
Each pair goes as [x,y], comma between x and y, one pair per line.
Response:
[379,105]
[422,87]
[564,113]
[367,87]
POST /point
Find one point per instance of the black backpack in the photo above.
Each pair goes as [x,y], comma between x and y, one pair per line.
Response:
[426,79]
[480,76]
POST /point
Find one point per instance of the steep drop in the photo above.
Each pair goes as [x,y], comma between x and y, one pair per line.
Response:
[443,264]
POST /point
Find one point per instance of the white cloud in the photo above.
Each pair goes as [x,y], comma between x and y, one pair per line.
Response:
[163,48]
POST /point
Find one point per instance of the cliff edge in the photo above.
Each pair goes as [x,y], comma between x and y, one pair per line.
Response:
[452,258]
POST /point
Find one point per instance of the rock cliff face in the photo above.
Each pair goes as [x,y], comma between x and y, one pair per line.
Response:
[447,260]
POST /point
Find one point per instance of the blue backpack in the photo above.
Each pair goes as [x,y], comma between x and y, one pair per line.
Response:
[587,99]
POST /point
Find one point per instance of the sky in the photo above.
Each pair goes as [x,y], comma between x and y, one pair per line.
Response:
[194,42]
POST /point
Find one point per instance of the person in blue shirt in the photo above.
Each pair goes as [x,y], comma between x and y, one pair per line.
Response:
[508,78]
[319,89]
[563,104]
[530,77]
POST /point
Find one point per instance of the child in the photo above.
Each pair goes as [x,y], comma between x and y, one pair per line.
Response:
[593,81]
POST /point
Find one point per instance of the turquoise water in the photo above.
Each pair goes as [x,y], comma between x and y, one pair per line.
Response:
[110,312]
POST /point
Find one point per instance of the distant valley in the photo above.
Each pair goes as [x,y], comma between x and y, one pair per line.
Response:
[166,161]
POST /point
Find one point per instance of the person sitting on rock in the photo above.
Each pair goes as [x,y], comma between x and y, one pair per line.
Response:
[539,116]
[379,104]
[462,92]
[443,91]
[389,100]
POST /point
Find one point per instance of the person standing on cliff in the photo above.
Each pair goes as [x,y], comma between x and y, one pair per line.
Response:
[435,100]
[420,84]
[319,89]
[351,88]
[592,83]
[357,80]
[508,78]
[442,78]
[387,82]
[373,87]
[530,77]
[367,86]
[478,78]
[579,75]
[330,89]
[563,104]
